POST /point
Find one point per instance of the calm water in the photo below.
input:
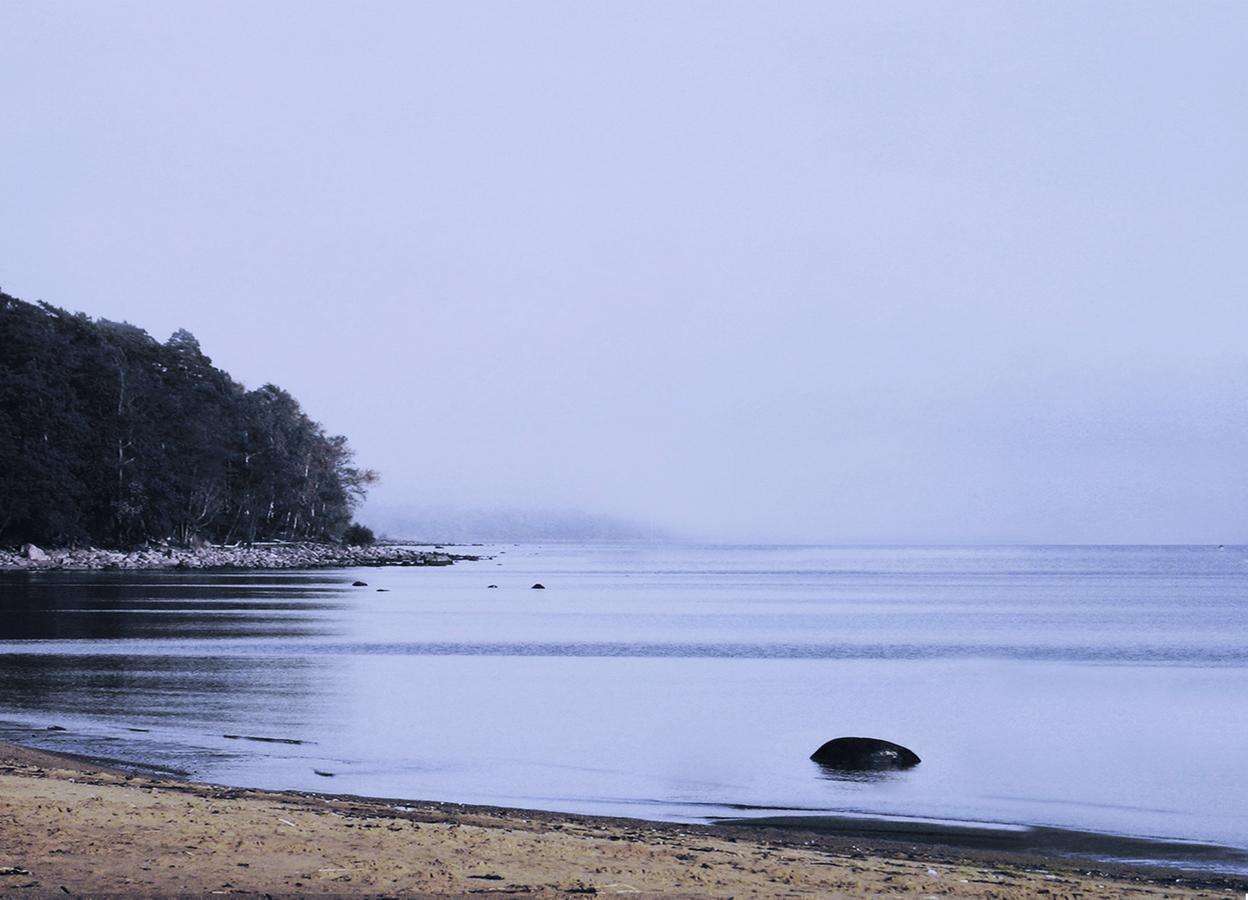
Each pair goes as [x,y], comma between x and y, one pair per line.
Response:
[1100,688]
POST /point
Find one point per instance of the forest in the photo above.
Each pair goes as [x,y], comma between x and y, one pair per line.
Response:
[109,437]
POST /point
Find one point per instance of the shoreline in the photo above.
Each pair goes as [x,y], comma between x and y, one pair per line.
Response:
[71,824]
[258,556]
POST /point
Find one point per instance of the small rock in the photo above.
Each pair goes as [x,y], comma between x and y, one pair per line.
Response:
[538,587]
[55,728]
[359,584]
[491,585]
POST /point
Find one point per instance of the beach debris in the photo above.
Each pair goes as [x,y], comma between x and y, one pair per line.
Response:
[288,822]
[489,876]
[13,870]
[359,584]
[538,587]
[264,740]
[864,754]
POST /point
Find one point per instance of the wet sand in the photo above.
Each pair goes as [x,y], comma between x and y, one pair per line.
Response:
[69,826]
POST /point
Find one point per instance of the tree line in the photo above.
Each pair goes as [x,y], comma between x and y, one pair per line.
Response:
[109,437]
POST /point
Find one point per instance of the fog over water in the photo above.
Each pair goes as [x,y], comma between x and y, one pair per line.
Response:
[815,272]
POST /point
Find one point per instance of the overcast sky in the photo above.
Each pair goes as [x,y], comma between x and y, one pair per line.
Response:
[770,271]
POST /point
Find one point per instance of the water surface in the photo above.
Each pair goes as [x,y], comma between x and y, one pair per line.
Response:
[1098,688]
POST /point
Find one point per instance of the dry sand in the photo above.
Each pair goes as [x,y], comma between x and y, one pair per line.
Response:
[70,827]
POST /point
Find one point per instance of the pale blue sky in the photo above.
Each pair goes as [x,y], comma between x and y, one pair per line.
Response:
[770,271]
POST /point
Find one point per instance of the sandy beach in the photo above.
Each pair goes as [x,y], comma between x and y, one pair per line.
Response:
[71,826]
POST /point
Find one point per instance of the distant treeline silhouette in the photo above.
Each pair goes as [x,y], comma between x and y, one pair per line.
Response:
[110,437]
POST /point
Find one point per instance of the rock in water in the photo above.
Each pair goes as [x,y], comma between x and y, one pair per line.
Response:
[359,584]
[538,587]
[864,754]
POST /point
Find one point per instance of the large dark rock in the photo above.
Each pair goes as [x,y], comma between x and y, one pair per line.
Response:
[858,754]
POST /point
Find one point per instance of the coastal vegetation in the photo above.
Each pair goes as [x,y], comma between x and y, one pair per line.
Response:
[112,438]
[358,535]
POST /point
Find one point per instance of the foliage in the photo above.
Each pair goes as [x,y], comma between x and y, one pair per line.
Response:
[358,535]
[108,436]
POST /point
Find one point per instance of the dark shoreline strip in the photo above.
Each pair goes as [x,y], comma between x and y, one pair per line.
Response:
[1037,839]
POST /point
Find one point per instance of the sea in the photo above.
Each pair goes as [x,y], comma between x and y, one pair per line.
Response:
[1097,689]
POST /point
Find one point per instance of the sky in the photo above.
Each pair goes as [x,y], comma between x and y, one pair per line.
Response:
[792,272]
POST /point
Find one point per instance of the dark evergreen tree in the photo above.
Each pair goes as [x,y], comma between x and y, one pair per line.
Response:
[109,436]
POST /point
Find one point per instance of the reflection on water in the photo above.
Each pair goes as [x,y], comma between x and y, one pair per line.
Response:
[193,690]
[1061,686]
[61,624]
[107,605]
[867,776]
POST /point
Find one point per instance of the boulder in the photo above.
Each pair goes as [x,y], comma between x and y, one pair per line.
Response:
[33,553]
[857,754]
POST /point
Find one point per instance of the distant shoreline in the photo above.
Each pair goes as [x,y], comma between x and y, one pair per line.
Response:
[171,836]
[301,555]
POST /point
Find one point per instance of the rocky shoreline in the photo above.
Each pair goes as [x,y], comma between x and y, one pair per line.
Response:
[305,555]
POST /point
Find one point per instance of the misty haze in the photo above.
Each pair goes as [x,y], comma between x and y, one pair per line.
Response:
[848,273]
[825,415]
